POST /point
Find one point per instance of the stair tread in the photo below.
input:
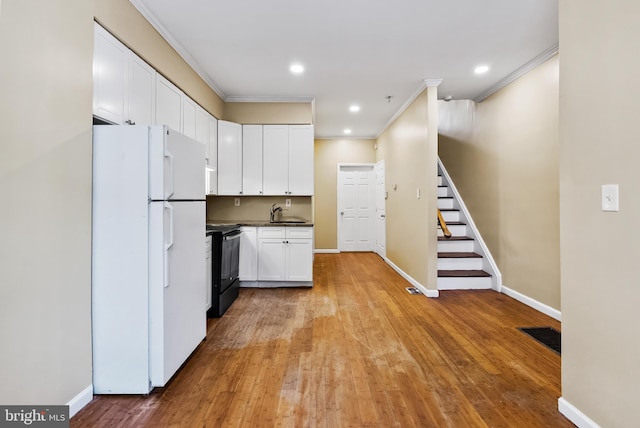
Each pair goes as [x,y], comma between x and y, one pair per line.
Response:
[458,255]
[463,274]
[449,209]
[445,197]
[455,238]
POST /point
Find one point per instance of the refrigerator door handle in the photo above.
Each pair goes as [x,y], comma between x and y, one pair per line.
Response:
[169,156]
[168,245]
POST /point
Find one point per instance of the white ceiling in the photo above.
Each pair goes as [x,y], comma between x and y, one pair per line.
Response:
[356,51]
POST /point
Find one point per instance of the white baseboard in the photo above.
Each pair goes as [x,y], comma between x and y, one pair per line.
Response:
[427,292]
[326,251]
[574,415]
[80,400]
[539,306]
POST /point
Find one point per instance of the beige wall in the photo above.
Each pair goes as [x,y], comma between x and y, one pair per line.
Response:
[328,154]
[409,149]
[46,48]
[502,155]
[269,113]
[599,135]
[256,208]
[124,21]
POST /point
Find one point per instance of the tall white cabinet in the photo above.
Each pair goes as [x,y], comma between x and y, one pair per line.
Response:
[288,160]
[229,158]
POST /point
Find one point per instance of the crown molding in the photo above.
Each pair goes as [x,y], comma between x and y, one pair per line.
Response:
[430,83]
[139,5]
[403,107]
[544,56]
[249,99]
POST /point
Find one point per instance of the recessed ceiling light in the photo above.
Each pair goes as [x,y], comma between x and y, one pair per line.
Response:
[354,108]
[347,131]
[481,69]
[296,68]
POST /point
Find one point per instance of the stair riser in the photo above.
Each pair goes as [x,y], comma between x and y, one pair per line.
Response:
[445,203]
[439,180]
[450,215]
[472,283]
[455,246]
[455,229]
[443,191]
[460,264]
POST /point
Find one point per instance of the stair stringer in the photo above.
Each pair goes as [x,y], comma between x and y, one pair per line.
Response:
[488,263]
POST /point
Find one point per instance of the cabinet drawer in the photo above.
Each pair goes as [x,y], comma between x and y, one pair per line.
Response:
[299,232]
[271,232]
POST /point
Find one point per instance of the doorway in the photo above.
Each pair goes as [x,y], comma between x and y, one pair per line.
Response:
[356,207]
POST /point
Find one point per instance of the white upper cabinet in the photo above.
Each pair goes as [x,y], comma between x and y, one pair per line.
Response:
[288,160]
[123,84]
[189,108]
[212,158]
[301,160]
[276,160]
[168,104]
[252,160]
[229,158]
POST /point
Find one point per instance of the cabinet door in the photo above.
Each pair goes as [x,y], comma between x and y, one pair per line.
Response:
[109,76]
[188,117]
[299,260]
[301,160]
[212,158]
[249,254]
[203,133]
[271,259]
[252,160]
[229,158]
[275,160]
[168,104]
[141,89]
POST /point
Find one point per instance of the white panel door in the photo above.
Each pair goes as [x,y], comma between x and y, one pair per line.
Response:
[140,100]
[356,190]
[381,217]
[275,159]
[301,160]
[109,76]
[168,104]
[229,158]
[252,160]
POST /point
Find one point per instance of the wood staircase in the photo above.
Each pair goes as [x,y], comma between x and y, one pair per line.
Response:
[460,266]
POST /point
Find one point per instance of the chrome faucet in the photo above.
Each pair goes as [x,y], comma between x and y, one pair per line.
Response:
[274,210]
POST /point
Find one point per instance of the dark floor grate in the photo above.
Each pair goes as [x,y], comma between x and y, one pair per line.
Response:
[548,336]
[413,290]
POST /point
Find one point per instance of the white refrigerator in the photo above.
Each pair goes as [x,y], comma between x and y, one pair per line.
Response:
[148,266]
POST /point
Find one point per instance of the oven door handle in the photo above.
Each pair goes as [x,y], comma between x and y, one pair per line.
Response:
[233,235]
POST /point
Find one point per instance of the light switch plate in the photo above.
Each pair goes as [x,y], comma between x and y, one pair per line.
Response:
[610,197]
[236,202]
[287,202]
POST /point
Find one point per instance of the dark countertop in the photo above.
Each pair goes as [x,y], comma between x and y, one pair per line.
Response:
[261,223]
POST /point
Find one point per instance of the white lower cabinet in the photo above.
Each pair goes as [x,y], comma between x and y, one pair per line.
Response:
[248,255]
[285,255]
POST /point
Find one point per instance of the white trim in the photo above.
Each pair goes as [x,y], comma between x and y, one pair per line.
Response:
[173,42]
[79,401]
[249,99]
[553,50]
[422,288]
[539,306]
[474,232]
[433,83]
[574,415]
[326,251]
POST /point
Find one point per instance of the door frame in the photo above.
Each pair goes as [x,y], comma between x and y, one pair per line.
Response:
[339,198]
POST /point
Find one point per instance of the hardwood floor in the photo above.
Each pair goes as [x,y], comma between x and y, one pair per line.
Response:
[356,350]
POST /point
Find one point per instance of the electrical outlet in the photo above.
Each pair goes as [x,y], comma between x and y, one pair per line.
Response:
[236,202]
[287,202]
[610,198]
[418,193]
